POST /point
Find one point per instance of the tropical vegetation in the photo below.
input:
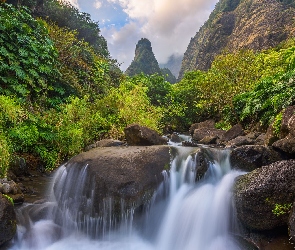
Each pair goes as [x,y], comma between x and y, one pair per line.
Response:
[60,90]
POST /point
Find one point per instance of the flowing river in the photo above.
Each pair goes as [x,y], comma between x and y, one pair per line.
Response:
[183,214]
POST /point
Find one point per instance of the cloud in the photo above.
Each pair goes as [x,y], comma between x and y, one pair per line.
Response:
[97,4]
[168,24]
[73,2]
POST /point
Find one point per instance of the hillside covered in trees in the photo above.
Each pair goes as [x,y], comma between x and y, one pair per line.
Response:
[60,90]
[239,24]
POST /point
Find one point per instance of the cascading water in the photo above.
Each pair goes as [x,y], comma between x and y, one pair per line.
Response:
[183,214]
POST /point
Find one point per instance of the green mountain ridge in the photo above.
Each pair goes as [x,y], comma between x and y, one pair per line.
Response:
[236,25]
[145,62]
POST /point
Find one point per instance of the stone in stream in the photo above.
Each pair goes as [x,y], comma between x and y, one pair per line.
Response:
[7,219]
[115,179]
[137,135]
[250,157]
[264,197]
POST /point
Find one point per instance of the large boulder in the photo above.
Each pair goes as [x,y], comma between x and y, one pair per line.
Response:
[288,113]
[7,220]
[12,189]
[205,124]
[263,197]
[18,166]
[270,136]
[105,143]
[286,144]
[250,157]
[202,133]
[137,135]
[240,141]
[233,132]
[116,178]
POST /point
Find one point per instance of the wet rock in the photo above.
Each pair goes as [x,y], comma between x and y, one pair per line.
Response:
[205,124]
[291,125]
[13,190]
[190,144]
[209,140]
[260,139]
[286,145]
[201,133]
[19,167]
[175,138]
[105,143]
[270,136]
[263,197]
[7,220]
[240,141]
[127,175]
[233,132]
[248,158]
[202,164]
[288,113]
[137,135]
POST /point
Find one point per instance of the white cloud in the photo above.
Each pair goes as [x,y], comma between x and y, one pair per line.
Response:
[73,2]
[168,24]
[97,4]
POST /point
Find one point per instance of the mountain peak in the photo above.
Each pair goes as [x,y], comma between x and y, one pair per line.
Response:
[144,60]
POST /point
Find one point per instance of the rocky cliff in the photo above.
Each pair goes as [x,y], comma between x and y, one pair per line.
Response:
[239,24]
[144,60]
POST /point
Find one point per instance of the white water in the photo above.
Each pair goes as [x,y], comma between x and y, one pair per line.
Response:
[183,215]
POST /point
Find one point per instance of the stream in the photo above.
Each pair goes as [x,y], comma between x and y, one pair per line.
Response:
[182,215]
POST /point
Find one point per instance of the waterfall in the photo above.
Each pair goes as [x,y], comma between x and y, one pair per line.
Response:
[182,215]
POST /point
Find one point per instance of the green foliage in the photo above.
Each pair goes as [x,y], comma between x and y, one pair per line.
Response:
[243,87]
[227,5]
[129,104]
[277,124]
[281,209]
[4,155]
[167,74]
[66,15]
[27,56]
[84,72]
[267,99]
[8,198]
[157,87]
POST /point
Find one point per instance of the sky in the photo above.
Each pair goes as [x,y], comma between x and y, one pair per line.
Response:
[168,24]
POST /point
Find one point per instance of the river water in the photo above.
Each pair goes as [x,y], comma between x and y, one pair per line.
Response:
[183,214]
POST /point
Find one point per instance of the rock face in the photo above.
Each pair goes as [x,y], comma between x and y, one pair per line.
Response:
[13,190]
[205,124]
[287,132]
[144,60]
[123,174]
[207,133]
[264,197]
[7,220]
[248,158]
[234,25]
[137,135]
[233,132]
[105,143]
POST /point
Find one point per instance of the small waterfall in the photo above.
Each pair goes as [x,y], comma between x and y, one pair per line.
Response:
[183,214]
